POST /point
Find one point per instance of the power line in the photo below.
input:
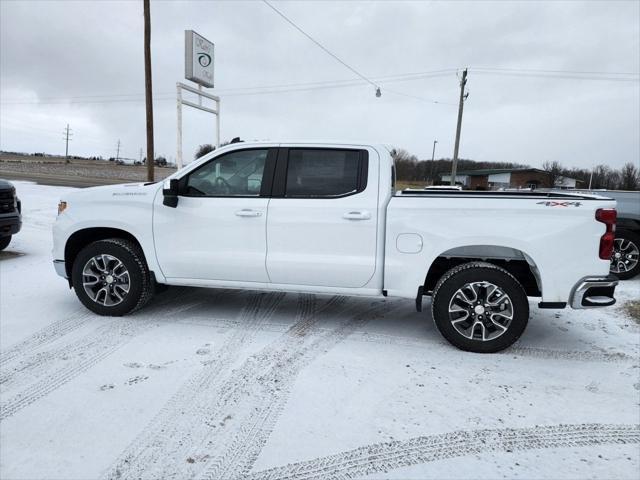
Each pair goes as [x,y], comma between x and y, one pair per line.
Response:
[398,77]
[415,97]
[578,72]
[325,49]
[327,84]
[554,76]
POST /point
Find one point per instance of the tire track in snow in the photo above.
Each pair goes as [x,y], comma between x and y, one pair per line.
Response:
[259,390]
[578,355]
[515,350]
[427,342]
[210,424]
[387,456]
[166,432]
[47,334]
[49,374]
[35,363]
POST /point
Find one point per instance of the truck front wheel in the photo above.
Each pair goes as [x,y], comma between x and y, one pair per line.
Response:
[111,277]
[480,307]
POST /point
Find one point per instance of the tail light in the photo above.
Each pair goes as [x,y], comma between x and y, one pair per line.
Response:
[608,217]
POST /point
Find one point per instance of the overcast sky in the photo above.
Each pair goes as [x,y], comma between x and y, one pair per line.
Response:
[81,62]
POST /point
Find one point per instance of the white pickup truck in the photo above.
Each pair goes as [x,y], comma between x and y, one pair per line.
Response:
[325,218]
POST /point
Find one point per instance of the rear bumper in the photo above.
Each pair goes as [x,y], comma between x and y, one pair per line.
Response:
[592,292]
[10,225]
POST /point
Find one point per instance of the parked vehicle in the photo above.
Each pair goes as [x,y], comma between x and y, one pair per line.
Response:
[625,260]
[324,218]
[10,213]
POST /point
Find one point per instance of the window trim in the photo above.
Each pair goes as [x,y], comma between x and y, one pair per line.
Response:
[281,169]
[267,175]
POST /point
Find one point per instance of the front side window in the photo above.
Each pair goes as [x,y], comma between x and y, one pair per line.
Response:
[234,174]
[323,173]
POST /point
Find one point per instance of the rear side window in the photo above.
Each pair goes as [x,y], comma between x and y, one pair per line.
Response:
[325,173]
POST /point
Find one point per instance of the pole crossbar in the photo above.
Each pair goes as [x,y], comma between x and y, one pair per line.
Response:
[199,107]
[198,92]
[180,102]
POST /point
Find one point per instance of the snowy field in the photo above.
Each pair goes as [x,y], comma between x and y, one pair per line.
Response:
[220,384]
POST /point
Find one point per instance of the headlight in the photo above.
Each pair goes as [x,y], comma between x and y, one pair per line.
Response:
[62,206]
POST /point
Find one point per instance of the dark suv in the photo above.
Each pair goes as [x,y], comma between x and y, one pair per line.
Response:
[10,218]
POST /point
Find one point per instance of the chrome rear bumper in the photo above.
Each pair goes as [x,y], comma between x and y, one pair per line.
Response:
[592,292]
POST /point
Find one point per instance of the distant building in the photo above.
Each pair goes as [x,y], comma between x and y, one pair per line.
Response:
[500,178]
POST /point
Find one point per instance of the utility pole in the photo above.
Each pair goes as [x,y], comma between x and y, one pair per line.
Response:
[433,156]
[463,96]
[67,134]
[118,151]
[147,89]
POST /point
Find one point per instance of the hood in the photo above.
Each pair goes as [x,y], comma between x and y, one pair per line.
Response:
[5,185]
[125,191]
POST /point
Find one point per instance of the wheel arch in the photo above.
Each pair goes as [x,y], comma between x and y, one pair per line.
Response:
[631,224]
[513,260]
[81,238]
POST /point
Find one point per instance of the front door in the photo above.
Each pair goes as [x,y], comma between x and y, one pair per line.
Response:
[322,223]
[218,229]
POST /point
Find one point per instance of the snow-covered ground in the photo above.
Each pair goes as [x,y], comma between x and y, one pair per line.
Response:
[223,384]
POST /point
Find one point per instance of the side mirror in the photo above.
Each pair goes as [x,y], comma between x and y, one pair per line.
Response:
[170,192]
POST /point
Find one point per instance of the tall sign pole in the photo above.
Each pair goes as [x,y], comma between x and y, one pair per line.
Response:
[147,90]
[463,96]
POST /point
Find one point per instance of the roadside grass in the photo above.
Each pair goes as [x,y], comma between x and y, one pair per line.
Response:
[402,184]
[632,308]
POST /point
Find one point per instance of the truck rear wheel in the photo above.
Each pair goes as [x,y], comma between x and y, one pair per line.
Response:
[111,277]
[625,260]
[479,307]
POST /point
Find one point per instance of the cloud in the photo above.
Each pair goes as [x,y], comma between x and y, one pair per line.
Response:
[82,63]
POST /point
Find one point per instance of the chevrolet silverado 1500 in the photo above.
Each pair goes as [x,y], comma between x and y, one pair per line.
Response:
[325,218]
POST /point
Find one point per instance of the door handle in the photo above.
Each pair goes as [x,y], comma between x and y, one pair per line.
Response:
[357,215]
[247,212]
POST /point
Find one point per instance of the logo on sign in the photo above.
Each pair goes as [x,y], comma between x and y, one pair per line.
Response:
[204,59]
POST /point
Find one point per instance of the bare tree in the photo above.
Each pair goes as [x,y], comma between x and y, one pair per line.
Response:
[203,150]
[554,169]
[400,154]
[629,177]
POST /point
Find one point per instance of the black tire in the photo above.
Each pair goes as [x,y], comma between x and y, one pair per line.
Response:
[631,242]
[463,276]
[4,242]
[140,282]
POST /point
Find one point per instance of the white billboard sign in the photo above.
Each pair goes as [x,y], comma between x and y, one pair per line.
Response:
[198,65]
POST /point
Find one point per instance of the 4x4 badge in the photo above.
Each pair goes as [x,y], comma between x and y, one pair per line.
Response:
[559,204]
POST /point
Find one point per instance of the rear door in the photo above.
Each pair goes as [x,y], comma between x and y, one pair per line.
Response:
[322,219]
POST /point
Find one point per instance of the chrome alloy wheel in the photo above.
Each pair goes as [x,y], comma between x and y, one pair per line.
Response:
[480,311]
[625,256]
[106,280]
